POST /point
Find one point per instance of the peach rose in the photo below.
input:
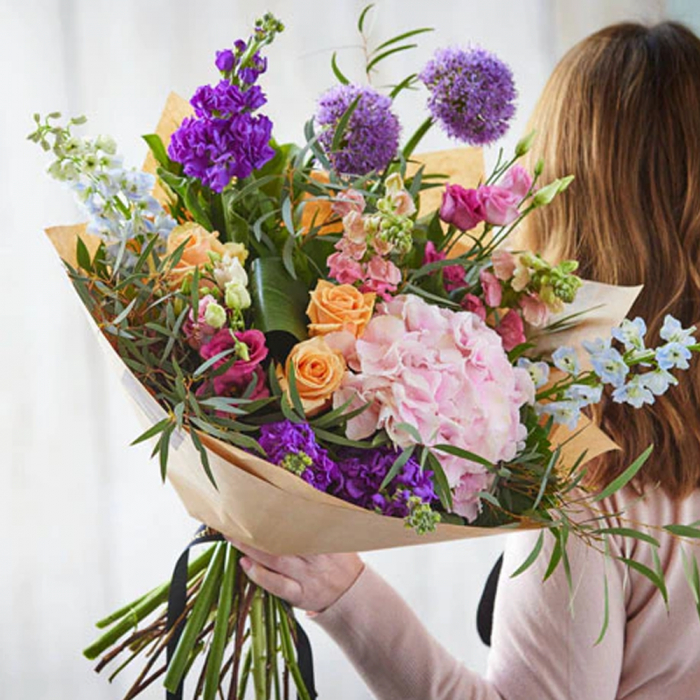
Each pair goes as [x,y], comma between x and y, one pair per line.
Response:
[318,370]
[200,243]
[319,212]
[339,307]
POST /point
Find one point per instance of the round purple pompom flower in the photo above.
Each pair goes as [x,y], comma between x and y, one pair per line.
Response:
[371,138]
[472,94]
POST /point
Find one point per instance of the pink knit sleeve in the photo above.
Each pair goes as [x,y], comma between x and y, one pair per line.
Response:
[539,650]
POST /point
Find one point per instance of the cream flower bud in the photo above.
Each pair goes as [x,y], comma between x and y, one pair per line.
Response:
[236,296]
[229,269]
[215,315]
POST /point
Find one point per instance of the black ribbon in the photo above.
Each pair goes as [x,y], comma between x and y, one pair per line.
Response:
[176,606]
[484,613]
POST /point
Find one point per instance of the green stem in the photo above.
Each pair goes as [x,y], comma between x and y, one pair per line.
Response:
[417,137]
[257,634]
[221,628]
[147,603]
[288,653]
[245,674]
[205,599]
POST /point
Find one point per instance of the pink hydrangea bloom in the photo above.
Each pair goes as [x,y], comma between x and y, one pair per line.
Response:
[446,374]
[512,330]
[493,293]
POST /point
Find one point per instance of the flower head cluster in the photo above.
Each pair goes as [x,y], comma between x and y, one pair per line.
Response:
[472,94]
[225,139]
[369,239]
[118,200]
[371,136]
[354,475]
[446,375]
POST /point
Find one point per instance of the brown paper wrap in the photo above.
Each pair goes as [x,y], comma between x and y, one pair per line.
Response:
[265,506]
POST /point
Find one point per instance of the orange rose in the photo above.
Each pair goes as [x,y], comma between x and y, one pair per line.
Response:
[199,243]
[318,370]
[319,212]
[339,307]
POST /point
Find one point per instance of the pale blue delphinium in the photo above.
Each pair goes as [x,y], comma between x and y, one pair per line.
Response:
[657,381]
[634,393]
[538,371]
[584,393]
[610,366]
[631,333]
[566,360]
[673,355]
[596,345]
[563,412]
[673,332]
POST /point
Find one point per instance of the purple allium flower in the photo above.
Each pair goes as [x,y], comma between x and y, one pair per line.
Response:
[371,137]
[225,60]
[472,94]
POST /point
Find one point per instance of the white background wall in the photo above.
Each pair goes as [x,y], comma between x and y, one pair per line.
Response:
[85,523]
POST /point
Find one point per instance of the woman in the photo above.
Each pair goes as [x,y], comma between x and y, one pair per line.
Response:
[622,113]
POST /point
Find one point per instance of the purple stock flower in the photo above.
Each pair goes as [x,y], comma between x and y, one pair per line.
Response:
[371,137]
[225,60]
[354,476]
[472,94]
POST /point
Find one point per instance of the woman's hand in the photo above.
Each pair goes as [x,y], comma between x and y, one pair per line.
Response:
[311,582]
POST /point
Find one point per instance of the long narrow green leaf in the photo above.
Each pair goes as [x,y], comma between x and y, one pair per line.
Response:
[343,123]
[196,620]
[211,361]
[401,37]
[442,486]
[606,598]
[464,454]
[626,476]
[629,532]
[386,54]
[397,466]
[336,70]
[363,17]
[531,558]
[648,573]
[683,531]
[554,559]
[692,576]
[204,457]
[152,431]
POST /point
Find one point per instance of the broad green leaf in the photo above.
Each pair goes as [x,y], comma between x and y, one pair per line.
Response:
[626,476]
[279,304]
[83,256]
[155,143]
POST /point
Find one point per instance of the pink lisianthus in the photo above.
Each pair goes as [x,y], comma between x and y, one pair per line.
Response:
[535,311]
[238,376]
[196,330]
[500,205]
[347,201]
[452,275]
[446,374]
[381,277]
[345,269]
[462,207]
[472,303]
[518,181]
[512,330]
[493,293]
[504,264]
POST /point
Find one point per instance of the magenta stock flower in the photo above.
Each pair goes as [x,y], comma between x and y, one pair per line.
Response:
[472,303]
[512,330]
[239,375]
[446,374]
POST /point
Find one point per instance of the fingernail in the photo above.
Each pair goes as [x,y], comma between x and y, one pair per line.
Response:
[246,563]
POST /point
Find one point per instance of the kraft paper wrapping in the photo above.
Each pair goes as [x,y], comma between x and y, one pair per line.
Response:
[265,506]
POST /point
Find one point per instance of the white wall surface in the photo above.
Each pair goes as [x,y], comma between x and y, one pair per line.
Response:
[85,521]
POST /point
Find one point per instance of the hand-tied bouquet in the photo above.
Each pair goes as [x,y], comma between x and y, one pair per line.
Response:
[339,356]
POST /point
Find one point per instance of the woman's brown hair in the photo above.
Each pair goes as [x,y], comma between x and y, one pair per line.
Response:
[621,113]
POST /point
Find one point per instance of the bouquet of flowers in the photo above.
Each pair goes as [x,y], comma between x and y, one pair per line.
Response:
[327,358]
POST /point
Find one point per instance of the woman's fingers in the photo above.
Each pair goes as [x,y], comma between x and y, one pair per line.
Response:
[278,584]
[290,566]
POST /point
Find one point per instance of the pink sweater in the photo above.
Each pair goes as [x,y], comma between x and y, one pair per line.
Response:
[541,652]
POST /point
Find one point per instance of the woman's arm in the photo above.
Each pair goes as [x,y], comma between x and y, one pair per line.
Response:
[539,651]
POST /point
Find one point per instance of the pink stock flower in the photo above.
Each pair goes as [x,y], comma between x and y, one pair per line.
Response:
[198,331]
[518,181]
[535,311]
[462,207]
[238,376]
[493,292]
[503,264]
[474,305]
[500,205]
[354,226]
[382,277]
[347,201]
[511,330]
[345,269]
[403,203]
[446,374]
